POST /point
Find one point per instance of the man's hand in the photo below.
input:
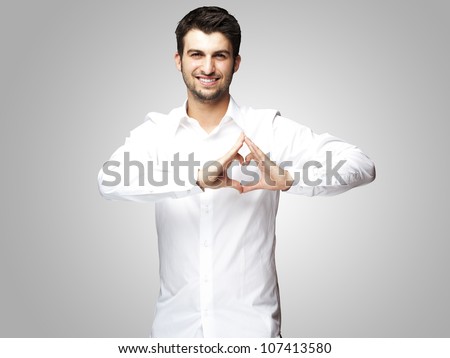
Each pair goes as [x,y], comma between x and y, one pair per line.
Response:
[214,174]
[272,177]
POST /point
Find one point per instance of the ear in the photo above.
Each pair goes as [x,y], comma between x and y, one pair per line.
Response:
[177,58]
[237,62]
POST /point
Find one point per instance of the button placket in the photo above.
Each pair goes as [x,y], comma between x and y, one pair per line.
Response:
[206,246]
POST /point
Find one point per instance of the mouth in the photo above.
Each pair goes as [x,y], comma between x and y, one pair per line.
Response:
[207,81]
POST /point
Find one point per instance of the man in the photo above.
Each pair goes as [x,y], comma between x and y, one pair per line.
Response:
[216,218]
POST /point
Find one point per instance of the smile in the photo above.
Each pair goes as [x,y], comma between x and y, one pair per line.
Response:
[207,81]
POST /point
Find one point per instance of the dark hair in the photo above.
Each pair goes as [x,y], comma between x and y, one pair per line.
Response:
[210,19]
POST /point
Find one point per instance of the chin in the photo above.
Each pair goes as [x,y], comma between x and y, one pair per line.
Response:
[209,97]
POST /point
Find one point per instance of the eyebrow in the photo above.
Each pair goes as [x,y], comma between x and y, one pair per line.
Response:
[214,53]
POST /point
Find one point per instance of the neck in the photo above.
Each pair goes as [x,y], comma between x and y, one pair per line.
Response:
[207,113]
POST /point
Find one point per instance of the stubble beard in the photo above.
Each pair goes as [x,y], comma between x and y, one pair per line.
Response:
[206,96]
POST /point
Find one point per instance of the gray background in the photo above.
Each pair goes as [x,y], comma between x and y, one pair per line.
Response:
[77,76]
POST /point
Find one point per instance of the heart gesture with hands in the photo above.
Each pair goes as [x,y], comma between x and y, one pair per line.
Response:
[214,174]
[272,176]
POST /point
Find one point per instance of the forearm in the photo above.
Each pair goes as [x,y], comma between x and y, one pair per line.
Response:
[133,174]
[338,173]
[320,164]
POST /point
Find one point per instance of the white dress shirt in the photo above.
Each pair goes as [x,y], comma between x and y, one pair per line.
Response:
[217,247]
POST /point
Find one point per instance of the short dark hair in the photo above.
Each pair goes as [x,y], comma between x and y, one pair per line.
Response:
[210,19]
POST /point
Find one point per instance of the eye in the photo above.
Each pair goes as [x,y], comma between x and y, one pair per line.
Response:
[221,56]
[195,55]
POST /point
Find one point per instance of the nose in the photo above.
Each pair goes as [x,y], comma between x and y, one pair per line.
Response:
[208,65]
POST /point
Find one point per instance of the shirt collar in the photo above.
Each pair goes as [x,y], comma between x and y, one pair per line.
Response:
[233,113]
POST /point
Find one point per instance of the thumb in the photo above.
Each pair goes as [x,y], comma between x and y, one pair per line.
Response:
[236,185]
[246,189]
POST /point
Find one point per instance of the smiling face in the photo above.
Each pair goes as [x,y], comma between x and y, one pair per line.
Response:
[207,65]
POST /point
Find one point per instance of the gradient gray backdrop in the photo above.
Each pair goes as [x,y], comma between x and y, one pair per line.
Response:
[77,76]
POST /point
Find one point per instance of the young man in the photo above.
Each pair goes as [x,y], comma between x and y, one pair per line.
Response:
[216,219]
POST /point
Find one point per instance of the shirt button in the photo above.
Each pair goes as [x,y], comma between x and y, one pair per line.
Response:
[205,243]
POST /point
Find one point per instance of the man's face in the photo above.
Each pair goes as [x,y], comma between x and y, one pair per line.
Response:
[207,65]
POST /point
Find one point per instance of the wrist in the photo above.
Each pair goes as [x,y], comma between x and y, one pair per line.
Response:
[288,181]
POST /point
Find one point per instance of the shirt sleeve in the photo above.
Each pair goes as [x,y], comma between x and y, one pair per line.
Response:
[137,172]
[320,164]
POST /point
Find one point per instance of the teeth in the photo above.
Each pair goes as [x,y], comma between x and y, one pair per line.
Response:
[207,80]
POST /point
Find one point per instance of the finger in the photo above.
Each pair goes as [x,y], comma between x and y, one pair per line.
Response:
[255,149]
[229,164]
[234,149]
[239,158]
[259,153]
[246,189]
[249,158]
[239,141]
[236,185]
[237,145]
